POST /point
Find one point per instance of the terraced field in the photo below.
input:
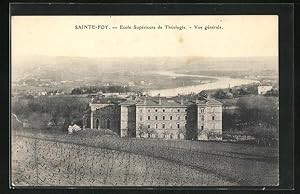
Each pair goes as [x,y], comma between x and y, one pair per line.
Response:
[88,159]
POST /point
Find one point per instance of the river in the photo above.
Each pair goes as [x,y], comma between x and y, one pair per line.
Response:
[220,83]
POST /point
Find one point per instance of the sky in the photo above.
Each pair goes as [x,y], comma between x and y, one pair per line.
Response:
[241,36]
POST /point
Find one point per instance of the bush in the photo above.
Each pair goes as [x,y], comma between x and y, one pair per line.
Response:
[257,110]
[265,135]
[59,111]
[220,94]
[214,136]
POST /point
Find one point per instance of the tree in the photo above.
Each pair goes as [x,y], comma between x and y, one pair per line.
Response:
[258,110]
[272,92]
[165,133]
[202,94]
[182,131]
[142,130]
[242,91]
[265,135]
[220,94]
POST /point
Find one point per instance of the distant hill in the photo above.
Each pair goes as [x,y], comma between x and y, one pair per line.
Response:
[70,68]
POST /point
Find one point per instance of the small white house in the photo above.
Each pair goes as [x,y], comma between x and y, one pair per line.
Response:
[263,89]
[73,128]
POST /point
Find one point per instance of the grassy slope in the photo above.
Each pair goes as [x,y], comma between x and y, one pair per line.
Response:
[238,163]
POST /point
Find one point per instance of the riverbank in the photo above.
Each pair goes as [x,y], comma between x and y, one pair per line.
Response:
[219,83]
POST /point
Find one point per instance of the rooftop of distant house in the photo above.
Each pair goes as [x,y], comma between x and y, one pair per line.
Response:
[107,100]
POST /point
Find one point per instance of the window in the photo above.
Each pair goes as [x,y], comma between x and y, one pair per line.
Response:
[185,126]
[164,110]
[148,135]
[155,110]
[178,136]
[202,110]
[171,136]
[202,118]
[178,125]
[178,117]
[156,126]
[107,124]
[170,126]
[148,110]
[163,126]
[140,126]
[171,118]
[178,110]
[202,127]
[141,110]
[148,126]
[163,117]
[213,118]
[97,124]
[155,117]
[185,117]
[148,117]
[141,118]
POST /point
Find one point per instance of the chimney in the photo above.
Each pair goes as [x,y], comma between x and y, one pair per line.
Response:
[181,101]
[197,100]
[159,101]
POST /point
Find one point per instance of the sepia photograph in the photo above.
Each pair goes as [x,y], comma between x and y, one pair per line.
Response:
[144,100]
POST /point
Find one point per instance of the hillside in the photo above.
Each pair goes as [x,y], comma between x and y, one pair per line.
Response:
[72,68]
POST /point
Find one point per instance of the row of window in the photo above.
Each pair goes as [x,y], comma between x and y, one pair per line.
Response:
[171,118]
[163,126]
[202,110]
[164,110]
[212,126]
[163,118]
[178,110]
[212,118]
[166,136]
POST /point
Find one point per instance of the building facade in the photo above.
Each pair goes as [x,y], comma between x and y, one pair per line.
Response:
[261,90]
[105,113]
[159,117]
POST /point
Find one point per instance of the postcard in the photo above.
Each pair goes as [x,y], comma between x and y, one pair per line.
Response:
[145,100]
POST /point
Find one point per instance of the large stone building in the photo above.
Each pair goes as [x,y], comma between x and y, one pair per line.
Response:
[159,117]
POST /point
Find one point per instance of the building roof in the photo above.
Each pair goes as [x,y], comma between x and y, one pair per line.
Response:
[175,101]
[128,102]
[158,101]
[213,102]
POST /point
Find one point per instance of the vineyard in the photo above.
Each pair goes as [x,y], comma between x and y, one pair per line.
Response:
[87,159]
